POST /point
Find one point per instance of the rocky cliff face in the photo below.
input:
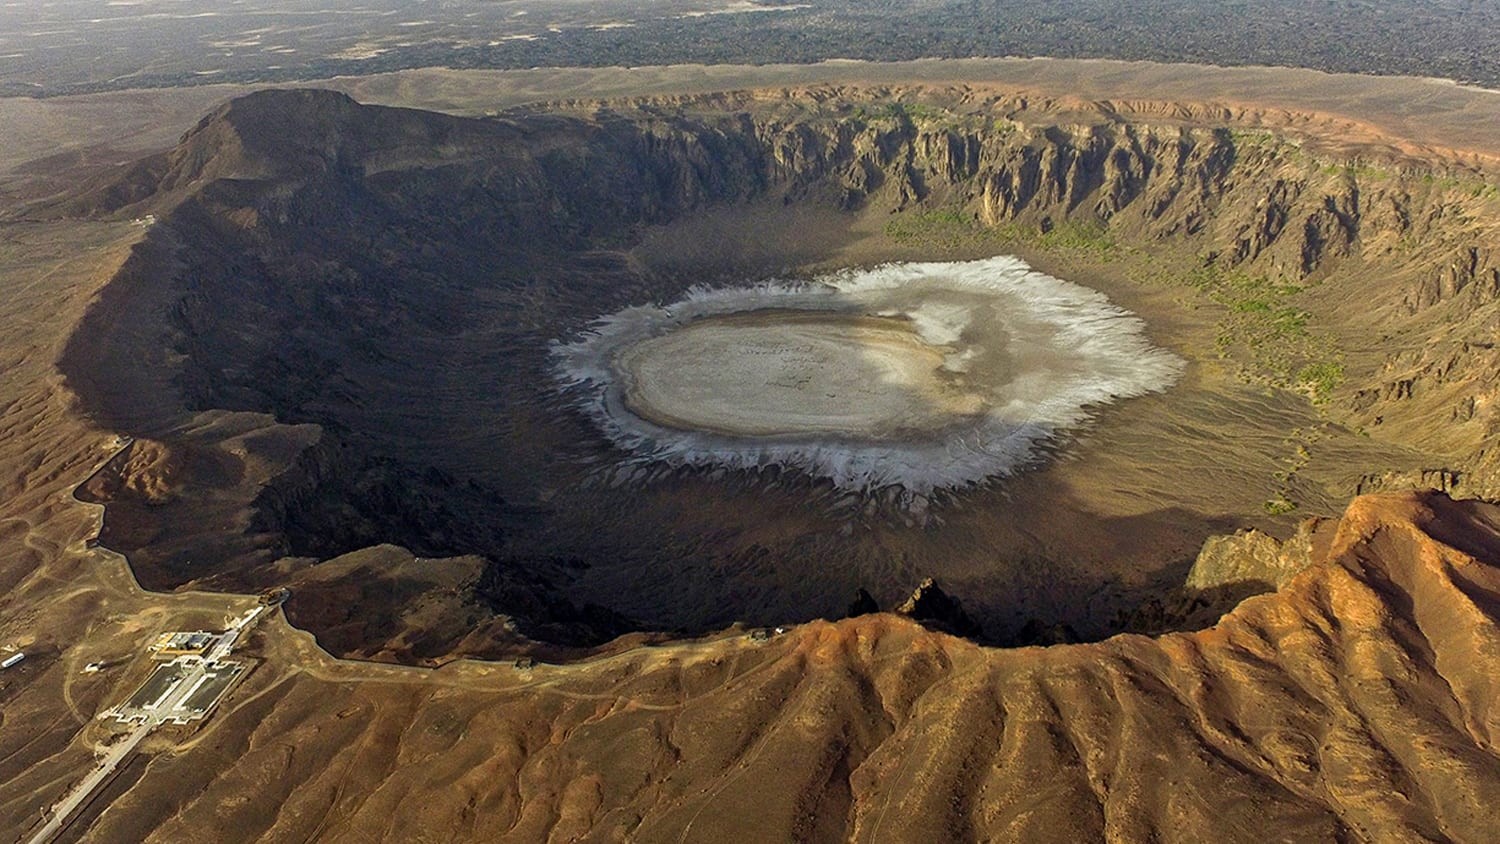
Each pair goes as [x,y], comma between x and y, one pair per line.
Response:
[1358,703]
[272,166]
[1269,203]
[328,254]
[1255,557]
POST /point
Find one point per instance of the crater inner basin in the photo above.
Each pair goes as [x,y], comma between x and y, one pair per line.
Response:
[923,375]
[785,373]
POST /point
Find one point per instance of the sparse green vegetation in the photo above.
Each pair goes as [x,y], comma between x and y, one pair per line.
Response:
[1090,237]
[953,227]
[948,228]
[1320,379]
[1358,170]
[1249,137]
[1002,127]
[928,116]
[1279,506]
[1269,333]
[1299,441]
[1267,144]
[877,112]
[1263,330]
[1474,188]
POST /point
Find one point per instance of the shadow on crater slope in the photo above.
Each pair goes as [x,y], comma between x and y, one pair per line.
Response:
[339,326]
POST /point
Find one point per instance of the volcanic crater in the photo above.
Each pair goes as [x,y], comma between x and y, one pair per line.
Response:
[663,365]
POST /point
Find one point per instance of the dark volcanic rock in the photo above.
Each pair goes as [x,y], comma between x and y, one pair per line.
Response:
[935,608]
[863,604]
[520,589]
[394,277]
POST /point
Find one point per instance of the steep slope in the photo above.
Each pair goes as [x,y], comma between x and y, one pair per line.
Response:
[1250,207]
[1354,704]
[386,282]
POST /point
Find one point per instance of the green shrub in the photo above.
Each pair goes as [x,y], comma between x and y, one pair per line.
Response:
[1279,506]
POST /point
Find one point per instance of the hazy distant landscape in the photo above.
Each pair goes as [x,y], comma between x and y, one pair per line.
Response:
[77,46]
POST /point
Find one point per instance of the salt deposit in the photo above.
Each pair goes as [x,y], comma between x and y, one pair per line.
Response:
[923,375]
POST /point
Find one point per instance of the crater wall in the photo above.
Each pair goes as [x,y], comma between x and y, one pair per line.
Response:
[393,277]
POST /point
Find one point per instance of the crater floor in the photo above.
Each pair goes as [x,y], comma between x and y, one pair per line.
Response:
[924,375]
[365,374]
[773,373]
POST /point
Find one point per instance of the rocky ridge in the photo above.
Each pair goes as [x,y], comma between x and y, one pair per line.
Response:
[1354,704]
[1246,201]
[293,210]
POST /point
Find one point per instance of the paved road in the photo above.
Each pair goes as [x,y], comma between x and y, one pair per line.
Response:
[226,642]
[80,794]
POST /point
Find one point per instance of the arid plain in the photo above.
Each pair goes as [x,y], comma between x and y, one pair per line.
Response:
[1352,702]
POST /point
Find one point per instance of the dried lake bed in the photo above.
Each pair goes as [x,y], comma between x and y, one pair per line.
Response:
[922,375]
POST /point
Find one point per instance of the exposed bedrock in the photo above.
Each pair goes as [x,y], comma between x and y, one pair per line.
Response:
[394,277]
[1356,704]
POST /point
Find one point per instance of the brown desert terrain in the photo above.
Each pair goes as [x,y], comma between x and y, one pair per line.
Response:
[306,347]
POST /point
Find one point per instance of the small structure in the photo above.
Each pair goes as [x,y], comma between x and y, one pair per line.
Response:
[13,659]
[179,643]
